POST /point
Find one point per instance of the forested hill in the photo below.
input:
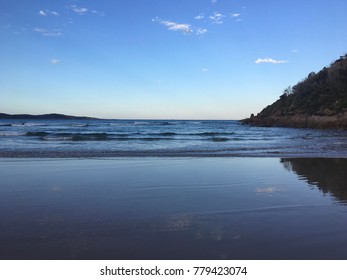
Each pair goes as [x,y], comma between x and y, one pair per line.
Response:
[319,101]
[45,117]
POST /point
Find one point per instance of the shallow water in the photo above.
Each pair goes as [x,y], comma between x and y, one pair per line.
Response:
[170,208]
[166,138]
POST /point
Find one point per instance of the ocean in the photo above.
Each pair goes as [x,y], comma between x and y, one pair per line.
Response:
[163,138]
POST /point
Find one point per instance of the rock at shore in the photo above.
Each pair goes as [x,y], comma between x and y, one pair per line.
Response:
[319,101]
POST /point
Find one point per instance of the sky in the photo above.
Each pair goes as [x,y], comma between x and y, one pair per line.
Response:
[156,59]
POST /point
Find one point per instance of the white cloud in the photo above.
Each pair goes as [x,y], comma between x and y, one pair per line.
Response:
[174,26]
[201,31]
[236,16]
[79,10]
[269,60]
[295,51]
[42,13]
[48,12]
[84,11]
[217,18]
[204,69]
[185,28]
[39,30]
[95,12]
[178,26]
[214,1]
[201,16]
[55,61]
[49,33]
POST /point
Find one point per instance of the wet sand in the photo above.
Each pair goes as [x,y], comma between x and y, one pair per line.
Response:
[170,208]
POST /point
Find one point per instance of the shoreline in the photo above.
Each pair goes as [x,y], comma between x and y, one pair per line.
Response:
[300,121]
[63,156]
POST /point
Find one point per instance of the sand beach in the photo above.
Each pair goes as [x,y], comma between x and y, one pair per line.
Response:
[173,208]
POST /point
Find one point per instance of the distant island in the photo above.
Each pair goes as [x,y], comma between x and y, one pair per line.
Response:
[319,101]
[43,117]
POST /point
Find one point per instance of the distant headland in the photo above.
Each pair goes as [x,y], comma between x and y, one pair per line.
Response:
[43,117]
[319,101]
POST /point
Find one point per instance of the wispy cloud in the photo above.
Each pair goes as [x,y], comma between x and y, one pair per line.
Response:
[269,60]
[42,13]
[79,10]
[200,31]
[204,70]
[198,17]
[45,13]
[39,30]
[96,12]
[295,51]
[185,28]
[217,18]
[178,26]
[49,33]
[55,61]
[236,16]
[174,26]
[84,11]
[214,1]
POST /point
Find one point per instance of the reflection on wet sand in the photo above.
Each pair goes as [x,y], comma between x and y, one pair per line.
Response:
[328,174]
[223,208]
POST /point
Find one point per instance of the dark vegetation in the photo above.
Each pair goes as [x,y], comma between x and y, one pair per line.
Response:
[320,100]
[42,117]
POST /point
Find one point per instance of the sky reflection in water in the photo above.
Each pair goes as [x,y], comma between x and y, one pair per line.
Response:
[150,208]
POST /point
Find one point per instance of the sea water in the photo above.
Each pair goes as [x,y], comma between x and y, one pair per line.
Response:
[168,138]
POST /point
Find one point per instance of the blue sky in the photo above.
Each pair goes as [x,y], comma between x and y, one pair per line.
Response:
[196,59]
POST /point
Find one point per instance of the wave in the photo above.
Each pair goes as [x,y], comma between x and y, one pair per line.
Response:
[168,135]
[203,134]
[153,138]
[164,123]
[153,123]
[165,134]
[29,124]
[219,139]
[43,135]
[38,133]
[11,133]
[68,136]
[6,124]
[212,133]
[80,125]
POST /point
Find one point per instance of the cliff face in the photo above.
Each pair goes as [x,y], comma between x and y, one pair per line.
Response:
[319,101]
